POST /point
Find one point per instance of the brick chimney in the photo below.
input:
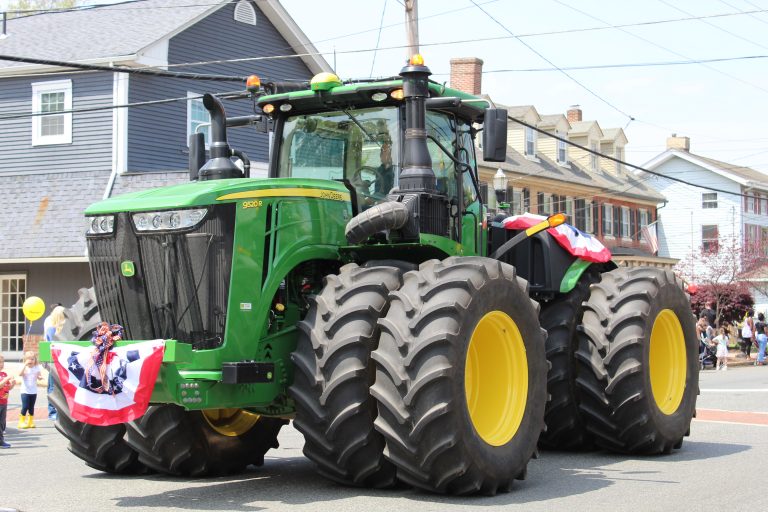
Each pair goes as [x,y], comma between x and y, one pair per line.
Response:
[681,143]
[467,74]
[574,114]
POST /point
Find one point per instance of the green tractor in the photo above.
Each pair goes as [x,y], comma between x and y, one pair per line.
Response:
[361,292]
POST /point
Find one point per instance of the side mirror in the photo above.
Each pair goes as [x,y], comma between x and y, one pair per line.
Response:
[495,135]
[196,154]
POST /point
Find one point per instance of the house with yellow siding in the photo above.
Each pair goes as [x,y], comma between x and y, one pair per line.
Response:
[546,176]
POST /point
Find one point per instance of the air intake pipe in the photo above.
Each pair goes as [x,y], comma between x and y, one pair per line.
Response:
[219,166]
[417,174]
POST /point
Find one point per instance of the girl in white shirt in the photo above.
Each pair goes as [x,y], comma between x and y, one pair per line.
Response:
[30,373]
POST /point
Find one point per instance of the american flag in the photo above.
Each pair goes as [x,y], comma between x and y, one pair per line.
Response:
[649,235]
[132,372]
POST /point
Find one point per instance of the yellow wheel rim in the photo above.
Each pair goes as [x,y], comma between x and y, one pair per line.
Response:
[230,422]
[496,378]
[667,362]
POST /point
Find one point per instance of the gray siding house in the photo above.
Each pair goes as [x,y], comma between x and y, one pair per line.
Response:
[52,166]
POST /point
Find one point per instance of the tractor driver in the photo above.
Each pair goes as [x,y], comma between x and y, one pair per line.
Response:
[386,171]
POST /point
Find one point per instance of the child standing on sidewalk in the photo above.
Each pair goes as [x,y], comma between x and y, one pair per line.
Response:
[722,349]
[6,383]
[30,373]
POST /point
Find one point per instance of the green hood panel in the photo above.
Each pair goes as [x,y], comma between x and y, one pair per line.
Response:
[201,193]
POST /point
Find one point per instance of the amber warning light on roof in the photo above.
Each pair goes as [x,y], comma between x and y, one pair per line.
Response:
[252,83]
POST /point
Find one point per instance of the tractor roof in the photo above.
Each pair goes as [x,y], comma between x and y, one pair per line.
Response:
[359,94]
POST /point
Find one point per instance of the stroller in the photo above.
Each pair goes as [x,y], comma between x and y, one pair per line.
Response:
[707,355]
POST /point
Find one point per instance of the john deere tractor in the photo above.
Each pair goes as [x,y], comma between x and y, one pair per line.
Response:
[354,292]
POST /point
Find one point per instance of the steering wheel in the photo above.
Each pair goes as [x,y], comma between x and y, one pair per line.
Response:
[366,176]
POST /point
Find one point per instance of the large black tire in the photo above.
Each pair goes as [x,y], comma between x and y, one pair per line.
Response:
[560,317]
[184,443]
[637,360]
[461,377]
[334,409]
[102,448]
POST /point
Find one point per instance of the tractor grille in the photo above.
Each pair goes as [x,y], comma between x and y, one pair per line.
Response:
[181,285]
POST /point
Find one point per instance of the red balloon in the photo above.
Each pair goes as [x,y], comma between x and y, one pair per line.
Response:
[692,288]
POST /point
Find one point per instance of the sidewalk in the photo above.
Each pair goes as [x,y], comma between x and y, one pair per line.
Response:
[737,358]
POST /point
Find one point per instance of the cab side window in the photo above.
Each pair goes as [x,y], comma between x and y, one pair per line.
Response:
[443,128]
[466,155]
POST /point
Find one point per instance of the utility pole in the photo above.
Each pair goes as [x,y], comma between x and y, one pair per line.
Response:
[412,26]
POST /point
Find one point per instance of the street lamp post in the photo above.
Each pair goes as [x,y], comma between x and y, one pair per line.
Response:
[500,181]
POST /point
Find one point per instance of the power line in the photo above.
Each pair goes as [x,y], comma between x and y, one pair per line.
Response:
[657,45]
[590,91]
[378,37]
[621,65]
[721,29]
[223,95]
[751,15]
[622,162]
[112,7]
[121,69]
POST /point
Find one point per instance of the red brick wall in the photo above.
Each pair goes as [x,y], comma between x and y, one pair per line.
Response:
[467,74]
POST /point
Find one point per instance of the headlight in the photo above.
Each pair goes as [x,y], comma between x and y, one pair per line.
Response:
[101,225]
[171,219]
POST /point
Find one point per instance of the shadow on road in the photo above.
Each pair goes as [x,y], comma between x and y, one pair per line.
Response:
[293,481]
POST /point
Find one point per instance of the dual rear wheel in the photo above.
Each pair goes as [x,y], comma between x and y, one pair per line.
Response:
[435,377]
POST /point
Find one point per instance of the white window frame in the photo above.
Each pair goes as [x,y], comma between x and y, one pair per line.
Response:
[561,147]
[547,206]
[710,244]
[195,97]
[644,217]
[589,221]
[40,88]
[569,210]
[594,164]
[707,201]
[751,201]
[517,206]
[626,224]
[608,219]
[618,154]
[5,321]
[530,139]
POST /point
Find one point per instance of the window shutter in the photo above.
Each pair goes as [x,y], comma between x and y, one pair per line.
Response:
[595,211]
[540,202]
[580,215]
[526,200]
[617,221]
[509,196]
[636,225]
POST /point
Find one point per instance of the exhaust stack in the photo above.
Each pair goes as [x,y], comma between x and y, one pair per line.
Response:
[219,166]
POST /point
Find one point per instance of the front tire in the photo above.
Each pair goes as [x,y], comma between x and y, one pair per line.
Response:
[202,443]
[461,377]
[638,364]
[102,448]
[334,409]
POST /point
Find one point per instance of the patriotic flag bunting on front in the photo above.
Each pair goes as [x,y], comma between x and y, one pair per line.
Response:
[131,373]
[574,241]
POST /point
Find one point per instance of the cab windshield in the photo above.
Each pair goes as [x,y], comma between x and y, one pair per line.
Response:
[361,146]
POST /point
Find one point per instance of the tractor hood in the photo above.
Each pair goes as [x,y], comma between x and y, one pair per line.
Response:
[201,193]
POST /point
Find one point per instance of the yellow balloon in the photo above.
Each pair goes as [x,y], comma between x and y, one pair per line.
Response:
[33,308]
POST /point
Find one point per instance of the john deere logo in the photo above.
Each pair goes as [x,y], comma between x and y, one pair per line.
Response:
[127,269]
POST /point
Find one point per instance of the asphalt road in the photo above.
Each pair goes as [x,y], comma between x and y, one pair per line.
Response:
[720,465]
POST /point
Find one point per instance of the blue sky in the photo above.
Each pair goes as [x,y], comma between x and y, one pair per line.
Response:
[721,106]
